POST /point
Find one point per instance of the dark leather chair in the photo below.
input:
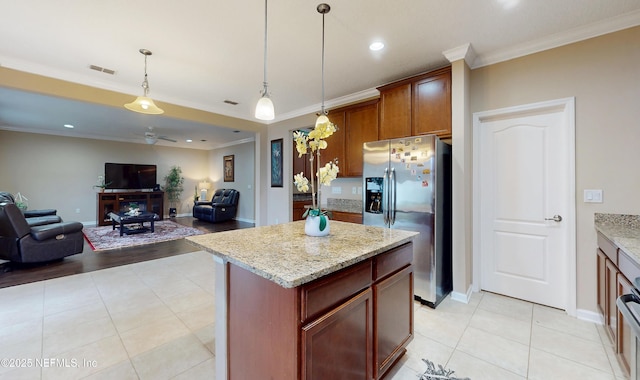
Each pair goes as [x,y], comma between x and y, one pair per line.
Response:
[223,206]
[34,217]
[22,243]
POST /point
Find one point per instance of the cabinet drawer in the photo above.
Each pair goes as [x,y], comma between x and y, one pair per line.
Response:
[392,261]
[608,248]
[325,293]
[628,267]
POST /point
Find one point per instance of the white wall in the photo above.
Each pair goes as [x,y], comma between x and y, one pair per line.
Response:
[59,172]
[244,176]
[604,76]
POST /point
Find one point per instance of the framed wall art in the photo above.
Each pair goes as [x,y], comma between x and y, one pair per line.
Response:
[227,165]
[276,163]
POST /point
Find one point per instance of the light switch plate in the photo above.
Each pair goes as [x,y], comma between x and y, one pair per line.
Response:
[593,196]
[336,190]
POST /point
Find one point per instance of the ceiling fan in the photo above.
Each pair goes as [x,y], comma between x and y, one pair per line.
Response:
[151,137]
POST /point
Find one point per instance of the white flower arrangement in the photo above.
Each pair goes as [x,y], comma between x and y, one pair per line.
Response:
[311,144]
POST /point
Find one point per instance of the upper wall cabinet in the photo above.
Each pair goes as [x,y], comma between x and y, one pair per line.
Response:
[360,125]
[416,106]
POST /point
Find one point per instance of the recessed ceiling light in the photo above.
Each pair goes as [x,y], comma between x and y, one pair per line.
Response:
[375,46]
[69,126]
[189,140]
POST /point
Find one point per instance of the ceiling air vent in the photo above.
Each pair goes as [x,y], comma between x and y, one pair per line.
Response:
[231,102]
[102,69]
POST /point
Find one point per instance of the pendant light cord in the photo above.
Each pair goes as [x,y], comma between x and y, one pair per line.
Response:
[145,82]
[265,47]
[322,107]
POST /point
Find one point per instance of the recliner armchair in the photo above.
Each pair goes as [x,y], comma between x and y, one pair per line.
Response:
[34,217]
[22,243]
[223,206]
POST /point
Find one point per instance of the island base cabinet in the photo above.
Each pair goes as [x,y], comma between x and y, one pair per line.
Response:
[332,345]
[354,323]
[394,319]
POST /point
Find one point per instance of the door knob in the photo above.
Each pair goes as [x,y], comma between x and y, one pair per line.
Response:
[556,218]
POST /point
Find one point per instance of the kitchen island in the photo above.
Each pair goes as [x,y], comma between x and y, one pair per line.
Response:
[291,306]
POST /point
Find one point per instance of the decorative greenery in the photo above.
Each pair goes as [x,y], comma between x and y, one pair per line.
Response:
[174,185]
[21,202]
[311,144]
[100,183]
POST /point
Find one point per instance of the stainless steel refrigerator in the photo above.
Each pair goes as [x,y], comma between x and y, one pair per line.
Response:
[407,186]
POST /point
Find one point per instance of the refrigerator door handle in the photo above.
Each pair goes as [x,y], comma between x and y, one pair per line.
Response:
[385,197]
[392,200]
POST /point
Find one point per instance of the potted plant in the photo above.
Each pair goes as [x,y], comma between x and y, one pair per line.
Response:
[317,223]
[101,184]
[173,187]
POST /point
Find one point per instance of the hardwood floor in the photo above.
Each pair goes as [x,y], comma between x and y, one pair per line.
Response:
[89,260]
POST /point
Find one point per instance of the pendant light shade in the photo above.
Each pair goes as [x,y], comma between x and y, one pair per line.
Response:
[144,104]
[322,118]
[264,108]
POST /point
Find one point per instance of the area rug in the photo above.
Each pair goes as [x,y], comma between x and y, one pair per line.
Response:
[105,238]
[433,373]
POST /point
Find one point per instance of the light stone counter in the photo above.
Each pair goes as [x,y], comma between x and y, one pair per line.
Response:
[283,253]
[622,230]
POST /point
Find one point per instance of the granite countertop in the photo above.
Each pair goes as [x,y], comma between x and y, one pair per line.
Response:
[622,230]
[283,253]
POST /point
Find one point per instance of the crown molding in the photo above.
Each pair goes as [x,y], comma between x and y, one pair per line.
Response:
[610,25]
[461,52]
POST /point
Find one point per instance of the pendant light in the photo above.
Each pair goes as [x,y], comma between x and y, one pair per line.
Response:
[322,118]
[264,108]
[144,104]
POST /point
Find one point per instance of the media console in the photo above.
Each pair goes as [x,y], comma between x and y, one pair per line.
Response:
[150,201]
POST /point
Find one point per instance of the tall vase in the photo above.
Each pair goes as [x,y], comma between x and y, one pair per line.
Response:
[312,226]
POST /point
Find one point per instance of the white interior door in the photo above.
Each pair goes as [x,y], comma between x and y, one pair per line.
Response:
[524,200]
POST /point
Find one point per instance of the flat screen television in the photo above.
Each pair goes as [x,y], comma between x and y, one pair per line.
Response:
[129,176]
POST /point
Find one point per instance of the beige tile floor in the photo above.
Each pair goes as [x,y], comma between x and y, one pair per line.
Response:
[155,320]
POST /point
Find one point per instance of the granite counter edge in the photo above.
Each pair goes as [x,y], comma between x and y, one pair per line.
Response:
[308,278]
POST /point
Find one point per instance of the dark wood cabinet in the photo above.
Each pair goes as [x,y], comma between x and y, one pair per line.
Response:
[346,217]
[395,111]
[299,209]
[151,201]
[416,106]
[626,338]
[611,311]
[339,344]
[361,127]
[394,318]
[614,269]
[351,324]
[432,105]
[300,164]
[601,281]
[336,142]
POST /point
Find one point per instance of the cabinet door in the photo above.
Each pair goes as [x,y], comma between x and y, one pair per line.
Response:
[625,335]
[393,330]
[300,164]
[611,314]
[335,142]
[299,209]
[362,127]
[395,112]
[601,282]
[432,105]
[339,344]
[349,217]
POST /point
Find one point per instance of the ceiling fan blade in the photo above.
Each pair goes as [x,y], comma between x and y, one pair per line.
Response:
[165,138]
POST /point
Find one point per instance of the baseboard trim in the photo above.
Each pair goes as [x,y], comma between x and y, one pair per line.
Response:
[589,316]
[462,297]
